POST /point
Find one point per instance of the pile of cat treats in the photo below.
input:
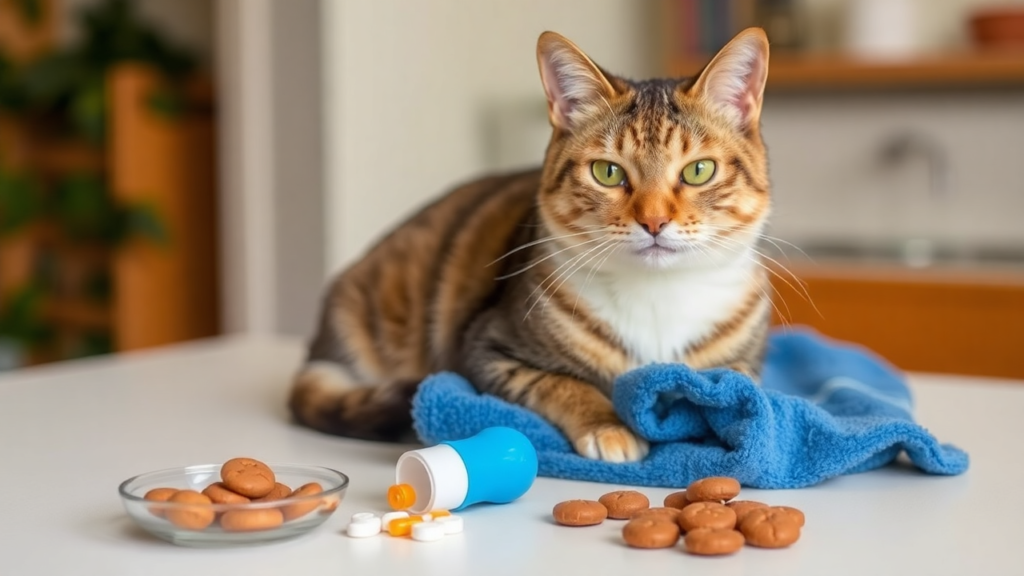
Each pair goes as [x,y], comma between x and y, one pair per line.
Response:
[706,515]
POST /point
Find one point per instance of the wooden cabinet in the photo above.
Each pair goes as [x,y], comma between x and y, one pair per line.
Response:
[933,320]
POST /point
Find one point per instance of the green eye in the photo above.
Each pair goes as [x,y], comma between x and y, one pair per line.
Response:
[608,173]
[698,172]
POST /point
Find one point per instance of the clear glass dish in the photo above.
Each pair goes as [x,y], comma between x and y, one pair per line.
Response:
[304,513]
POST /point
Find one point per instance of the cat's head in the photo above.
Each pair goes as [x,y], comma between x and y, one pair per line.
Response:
[656,174]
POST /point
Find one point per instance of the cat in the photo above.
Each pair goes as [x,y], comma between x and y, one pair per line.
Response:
[634,243]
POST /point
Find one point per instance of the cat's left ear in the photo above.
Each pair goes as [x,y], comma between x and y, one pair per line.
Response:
[733,82]
[574,85]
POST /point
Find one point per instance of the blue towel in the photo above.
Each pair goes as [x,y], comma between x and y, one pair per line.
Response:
[824,409]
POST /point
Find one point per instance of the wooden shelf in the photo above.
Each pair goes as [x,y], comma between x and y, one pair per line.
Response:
[822,72]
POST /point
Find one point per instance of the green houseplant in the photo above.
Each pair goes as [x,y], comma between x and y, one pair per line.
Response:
[63,94]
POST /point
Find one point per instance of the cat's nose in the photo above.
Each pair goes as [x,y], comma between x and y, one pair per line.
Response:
[653,225]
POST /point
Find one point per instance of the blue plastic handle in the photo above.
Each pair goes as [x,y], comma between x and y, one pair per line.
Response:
[501,464]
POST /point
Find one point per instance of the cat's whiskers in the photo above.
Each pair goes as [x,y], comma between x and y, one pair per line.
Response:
[762,294]
[543,240]
[803,292]
[543,258]
[544,283]
[565,276]
[593,271]
[571,263]
[784,317]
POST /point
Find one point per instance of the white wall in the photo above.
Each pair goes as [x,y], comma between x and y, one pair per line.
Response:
[414,87]
[298,165]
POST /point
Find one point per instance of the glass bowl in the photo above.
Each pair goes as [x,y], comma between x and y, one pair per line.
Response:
[301,513]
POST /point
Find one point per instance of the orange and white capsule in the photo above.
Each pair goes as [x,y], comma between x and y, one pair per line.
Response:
[403,525]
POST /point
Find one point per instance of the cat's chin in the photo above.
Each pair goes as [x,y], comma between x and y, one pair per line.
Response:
[677,257]
[660,257]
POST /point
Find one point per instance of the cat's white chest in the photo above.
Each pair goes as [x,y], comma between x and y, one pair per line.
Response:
[658,315]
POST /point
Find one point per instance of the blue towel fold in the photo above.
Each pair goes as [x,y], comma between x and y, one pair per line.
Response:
[824,409]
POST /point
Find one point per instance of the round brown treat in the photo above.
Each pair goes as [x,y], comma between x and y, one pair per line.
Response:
[579,513]
[194,517]
[670,514]
[300,509]
[742,507]
[247,477]
[770,528]
[797,515]
[707,515]
[714,489]
[650,532]
[677,500]
[218,493]
[159,495]
[713,541]
[279,491]
[251,520]
[623,503]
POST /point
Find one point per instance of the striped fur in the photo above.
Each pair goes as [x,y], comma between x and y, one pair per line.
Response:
[542,287]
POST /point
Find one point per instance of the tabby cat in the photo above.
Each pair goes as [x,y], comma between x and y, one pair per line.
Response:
[635,243]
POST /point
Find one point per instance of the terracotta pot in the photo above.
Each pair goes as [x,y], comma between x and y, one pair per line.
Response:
[999,28]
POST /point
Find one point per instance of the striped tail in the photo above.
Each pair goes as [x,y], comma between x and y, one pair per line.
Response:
[326,398]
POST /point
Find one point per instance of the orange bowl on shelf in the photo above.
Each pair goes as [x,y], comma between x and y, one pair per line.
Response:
[998,27]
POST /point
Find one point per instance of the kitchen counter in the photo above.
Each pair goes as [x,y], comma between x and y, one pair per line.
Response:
[72,432]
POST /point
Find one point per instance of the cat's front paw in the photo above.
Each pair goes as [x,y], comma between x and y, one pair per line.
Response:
[611,443]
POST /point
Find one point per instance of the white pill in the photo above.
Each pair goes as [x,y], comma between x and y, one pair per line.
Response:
[452,524]
[365,517]
[387,518]
[363,529]
[427,531]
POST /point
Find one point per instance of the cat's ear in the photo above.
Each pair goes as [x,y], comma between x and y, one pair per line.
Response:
[733,82]
[574,85]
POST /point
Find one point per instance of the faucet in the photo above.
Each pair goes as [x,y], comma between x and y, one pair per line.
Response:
[919,252]
[903,145]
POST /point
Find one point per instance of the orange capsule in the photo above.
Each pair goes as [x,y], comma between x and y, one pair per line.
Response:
[439,513]
[403,526]
[401,496]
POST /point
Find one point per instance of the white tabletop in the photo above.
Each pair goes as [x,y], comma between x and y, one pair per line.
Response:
[71,432]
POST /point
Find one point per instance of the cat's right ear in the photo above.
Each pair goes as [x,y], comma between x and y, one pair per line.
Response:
[574,85]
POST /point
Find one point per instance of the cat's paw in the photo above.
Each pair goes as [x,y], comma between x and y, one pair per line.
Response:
[611,443]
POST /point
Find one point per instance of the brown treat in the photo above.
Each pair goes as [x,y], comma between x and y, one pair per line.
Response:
[623,503]
[300,509]
[159,495]
[218,493]
[714,489]
[668,513]
[650,532]
[713,541]
[247,477]
[251,520]
[579,513]
[194,517]
[742,507]
[677,500]
[770,528]
[797,515]
[279,491]
[707,515]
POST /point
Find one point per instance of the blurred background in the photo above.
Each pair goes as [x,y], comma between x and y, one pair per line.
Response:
[172,170]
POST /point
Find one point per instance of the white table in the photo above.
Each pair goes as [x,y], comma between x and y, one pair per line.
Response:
[71,432]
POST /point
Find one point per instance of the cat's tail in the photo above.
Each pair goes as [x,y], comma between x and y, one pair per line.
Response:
[325,397]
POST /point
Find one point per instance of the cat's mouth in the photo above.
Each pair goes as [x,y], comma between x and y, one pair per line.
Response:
[655,249]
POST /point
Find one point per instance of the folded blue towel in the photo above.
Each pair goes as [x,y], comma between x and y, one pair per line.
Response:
[824,409]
